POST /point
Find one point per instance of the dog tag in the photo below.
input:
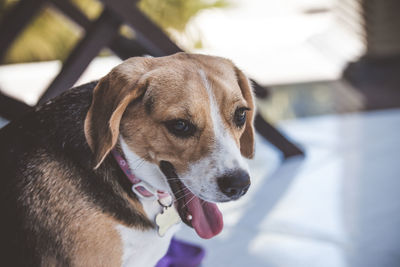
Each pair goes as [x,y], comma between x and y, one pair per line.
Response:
[167,218]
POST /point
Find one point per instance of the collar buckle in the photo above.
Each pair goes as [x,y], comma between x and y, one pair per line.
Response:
[144,191]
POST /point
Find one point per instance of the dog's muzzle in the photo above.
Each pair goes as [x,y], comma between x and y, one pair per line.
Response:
[202,215]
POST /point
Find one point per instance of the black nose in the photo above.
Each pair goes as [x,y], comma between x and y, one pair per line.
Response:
[234,184]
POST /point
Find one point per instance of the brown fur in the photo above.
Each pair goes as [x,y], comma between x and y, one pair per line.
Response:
[247,138]
[97,245]
[84,233]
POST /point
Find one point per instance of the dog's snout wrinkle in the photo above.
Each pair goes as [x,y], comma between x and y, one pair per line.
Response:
[234,184]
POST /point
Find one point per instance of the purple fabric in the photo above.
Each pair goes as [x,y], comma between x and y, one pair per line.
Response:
[182,254]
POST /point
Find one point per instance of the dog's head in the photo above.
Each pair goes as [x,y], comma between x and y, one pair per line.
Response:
[190,113]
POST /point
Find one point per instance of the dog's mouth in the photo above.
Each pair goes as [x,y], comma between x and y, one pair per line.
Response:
[203,216]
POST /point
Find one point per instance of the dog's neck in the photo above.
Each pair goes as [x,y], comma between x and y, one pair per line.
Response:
[155,245]
[149,173]
[144,170]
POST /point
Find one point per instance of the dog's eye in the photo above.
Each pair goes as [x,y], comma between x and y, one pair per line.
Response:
[240,116]
[181,128]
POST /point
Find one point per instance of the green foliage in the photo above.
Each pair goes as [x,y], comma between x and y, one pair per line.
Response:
[47,38]
[176,14]
[52,36]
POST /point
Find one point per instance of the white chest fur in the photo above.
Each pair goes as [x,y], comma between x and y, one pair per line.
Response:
[144,248]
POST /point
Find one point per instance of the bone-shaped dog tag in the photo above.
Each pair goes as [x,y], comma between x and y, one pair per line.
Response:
[167,218]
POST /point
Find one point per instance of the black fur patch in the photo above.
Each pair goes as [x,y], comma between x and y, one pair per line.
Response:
[149,105]
[56,129]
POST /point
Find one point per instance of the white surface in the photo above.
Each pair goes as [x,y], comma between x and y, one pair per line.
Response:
[277,41]
[338,207]
[3,122]
[27,81]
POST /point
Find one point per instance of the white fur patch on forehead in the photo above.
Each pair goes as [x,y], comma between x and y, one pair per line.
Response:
[215,116]
[225,146]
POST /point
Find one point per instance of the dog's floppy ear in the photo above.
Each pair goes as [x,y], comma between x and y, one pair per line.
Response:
[247,138]
[111,97]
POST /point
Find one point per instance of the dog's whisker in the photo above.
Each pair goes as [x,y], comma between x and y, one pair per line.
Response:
[189,201]
[180,190]
[181,197]
[139,159]
[136,160]
[202,203]
[177,178]
[178,199]
[187,187]
[140,164]
[186,194]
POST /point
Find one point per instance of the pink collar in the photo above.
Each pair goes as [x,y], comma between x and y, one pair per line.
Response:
[140,187]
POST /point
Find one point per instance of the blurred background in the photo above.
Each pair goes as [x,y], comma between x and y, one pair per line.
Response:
[329,73]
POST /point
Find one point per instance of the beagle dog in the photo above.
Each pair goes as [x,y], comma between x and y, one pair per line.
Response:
[102,175]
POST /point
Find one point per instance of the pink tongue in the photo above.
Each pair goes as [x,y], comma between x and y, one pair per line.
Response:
[206,217]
